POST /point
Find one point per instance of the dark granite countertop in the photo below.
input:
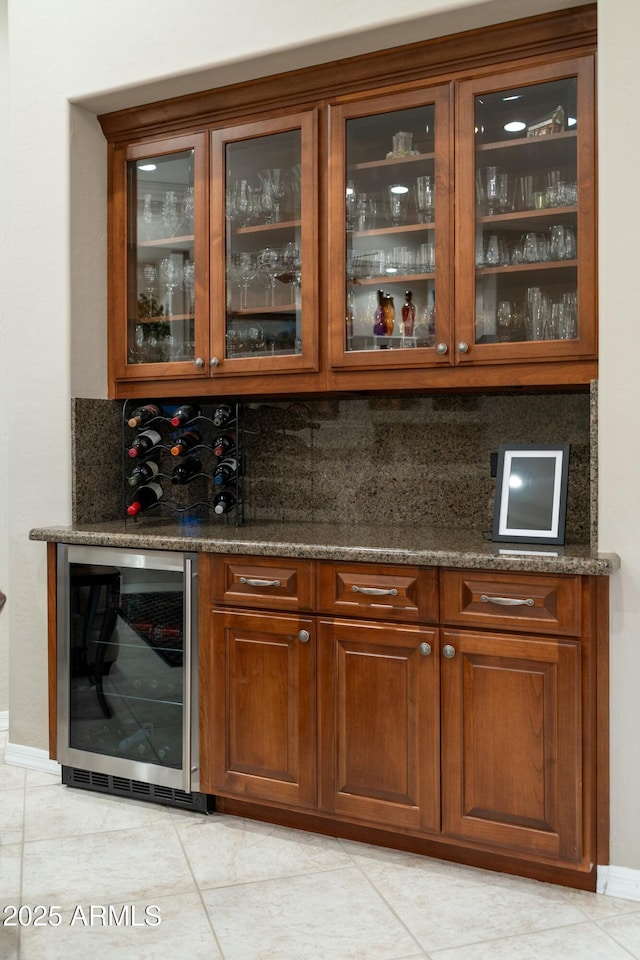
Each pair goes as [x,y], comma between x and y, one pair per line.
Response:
[426,546]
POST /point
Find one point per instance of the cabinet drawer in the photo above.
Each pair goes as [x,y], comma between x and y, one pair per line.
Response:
[378,591]
[516,601]
[265,582]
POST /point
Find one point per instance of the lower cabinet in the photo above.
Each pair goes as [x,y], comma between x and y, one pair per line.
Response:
[379,743]
[258,706]
[512,743]
[478,732]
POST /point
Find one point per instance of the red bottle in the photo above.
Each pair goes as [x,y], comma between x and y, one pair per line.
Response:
[144,442]
[145,497]
[408,315]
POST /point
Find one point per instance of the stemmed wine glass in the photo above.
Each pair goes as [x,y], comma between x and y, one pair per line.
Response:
[189,278]
[292,269]
[244,269]
[274,188]
[269,266]
[170,273]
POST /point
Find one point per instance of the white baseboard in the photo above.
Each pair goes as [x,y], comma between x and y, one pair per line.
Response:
[30,757]
[4,719]
[622,882]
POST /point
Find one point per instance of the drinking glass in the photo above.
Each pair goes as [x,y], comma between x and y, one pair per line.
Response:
[170,274]
[170,214]
[424,196]
[187,210]
[398,196]
[274,188]
[351,205]
[496,190]
[504,320]
[292,267]
[269,266]
[244,271]
[495,254]
[189,276]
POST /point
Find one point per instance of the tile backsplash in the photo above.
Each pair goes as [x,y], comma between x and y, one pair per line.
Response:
[366,459]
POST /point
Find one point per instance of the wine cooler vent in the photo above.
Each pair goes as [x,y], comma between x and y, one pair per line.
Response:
[124,787]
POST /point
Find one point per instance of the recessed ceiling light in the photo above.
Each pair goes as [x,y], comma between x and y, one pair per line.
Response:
[571,121]
[147,167]
[514,126]
[399,188]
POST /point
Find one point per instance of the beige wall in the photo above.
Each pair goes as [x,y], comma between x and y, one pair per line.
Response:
[104,55]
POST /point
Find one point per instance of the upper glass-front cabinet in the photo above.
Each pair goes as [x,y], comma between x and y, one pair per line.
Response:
[166,244]
[526,234]
[264,247]
[389,230]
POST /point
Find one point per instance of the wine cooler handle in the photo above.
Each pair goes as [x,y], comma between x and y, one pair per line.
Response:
[375,591]
[187,707]
[508,601]
[259,583]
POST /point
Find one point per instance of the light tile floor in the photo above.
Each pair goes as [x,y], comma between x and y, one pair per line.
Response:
[182,885]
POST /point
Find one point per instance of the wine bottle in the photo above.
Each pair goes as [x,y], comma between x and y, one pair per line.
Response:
[388,314]
[223,414]
[144,442]
[408,314]
[143,414]
[224,501]
[185,442]
[186,469]
[145,497]
[184,414]
[226,470]
[143,472]
[224,444]
[379,326]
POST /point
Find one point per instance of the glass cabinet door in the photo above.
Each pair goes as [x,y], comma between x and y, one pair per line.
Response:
[527,245]
[166,242]
[264,247]
[389,231]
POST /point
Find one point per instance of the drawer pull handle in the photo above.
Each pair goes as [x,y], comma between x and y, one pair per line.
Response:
[304,636]
[259,583]
[508,601]
[448,651]
[375,591]
[424,649]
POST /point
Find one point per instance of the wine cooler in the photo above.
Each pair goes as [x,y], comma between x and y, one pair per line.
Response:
[127,691]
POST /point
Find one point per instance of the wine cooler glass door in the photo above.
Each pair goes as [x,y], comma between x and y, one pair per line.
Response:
[126,664]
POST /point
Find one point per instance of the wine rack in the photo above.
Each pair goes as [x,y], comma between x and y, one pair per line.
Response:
[194,500]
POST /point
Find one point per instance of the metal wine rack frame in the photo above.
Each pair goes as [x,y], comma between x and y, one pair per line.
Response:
[193,501]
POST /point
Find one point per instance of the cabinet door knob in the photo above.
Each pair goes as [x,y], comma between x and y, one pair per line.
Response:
[198,362]
[424,649]
[304,636]
[214,362]
[463,347]
[442,348]
[448,651]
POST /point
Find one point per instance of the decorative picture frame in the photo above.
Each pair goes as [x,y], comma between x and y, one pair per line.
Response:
[531,493]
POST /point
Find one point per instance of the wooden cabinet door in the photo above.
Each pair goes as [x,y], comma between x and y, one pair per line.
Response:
[526,236]
[158,260]
[264,247]
[379,728]
[511,742]
[258,706]
[390,214]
